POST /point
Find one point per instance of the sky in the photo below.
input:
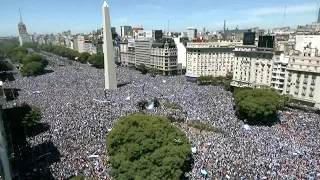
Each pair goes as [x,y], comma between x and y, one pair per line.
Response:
[53,16]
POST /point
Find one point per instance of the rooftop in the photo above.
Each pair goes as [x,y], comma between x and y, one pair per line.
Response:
[161,42]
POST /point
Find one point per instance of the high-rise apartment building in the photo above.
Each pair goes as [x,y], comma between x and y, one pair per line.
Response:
[297,75]
[192,33]
[318,20]
[252,66]
[302,79]
[126,31]
[160,54]
[210,59]
[23,34]
[143,51]
[280,64]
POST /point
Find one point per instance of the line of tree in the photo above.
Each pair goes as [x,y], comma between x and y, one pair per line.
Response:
[212,80]
[145,70]
[96,60]
[147,147]
[259,106]
[33,64]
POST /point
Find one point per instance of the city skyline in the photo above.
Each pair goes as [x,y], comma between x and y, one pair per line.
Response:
[59,16]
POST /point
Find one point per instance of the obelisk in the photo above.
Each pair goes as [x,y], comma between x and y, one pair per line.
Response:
[109,64]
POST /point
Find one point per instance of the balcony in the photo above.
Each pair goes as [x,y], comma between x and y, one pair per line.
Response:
[310,95]
[298,81]
[313,82]
[305,82]
[289,80]
[303,94]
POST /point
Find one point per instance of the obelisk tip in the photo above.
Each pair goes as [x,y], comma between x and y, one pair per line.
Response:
[105,4]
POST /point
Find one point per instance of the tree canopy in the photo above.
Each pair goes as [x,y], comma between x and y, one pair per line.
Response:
[147,147]
[259,106]
[34,57]
[220,80]
[96,60]
[32,69]
[83,57]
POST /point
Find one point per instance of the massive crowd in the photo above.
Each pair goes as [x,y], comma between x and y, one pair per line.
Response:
[80,115]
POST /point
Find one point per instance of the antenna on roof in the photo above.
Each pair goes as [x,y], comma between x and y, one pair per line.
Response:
[317,13]
[168,27]
[20,15]
[284,15]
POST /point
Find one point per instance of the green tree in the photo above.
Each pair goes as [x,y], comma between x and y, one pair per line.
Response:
[153,71]
[2,54]
[5,66]
[258,106]
[32,45]
[20,49]
[83,57]
[147,147]
[32,69]
[18,57]
[33,117]
[97,60]
[143,69]
[35,58]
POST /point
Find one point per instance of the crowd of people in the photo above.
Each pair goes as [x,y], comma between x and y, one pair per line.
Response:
[80,114]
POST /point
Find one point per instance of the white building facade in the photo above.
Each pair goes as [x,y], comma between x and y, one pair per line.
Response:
[252,67]
[192,33]
[210,59]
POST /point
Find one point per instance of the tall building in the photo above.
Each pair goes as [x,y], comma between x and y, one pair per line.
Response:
[252,66]
[23,34]
[210,59]
[113,30]
[280,64]
[181,44]
[143,51]
[164,56]
[302,79]
[297,75]
[127,53]
[318,20]
[126,31]
[192,33]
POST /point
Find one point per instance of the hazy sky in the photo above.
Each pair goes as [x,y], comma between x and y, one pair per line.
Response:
[52,16]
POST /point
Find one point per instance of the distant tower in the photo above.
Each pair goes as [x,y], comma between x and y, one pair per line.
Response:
[108,50]
[318,20]
[284,15]
[23,35]
[224,26]
[168,28]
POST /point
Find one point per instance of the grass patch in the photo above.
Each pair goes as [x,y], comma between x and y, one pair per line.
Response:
[205,127]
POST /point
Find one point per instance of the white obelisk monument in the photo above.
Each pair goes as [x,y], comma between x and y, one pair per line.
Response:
[109,65]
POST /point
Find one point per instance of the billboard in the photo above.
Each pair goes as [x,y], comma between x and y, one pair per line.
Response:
[145,33]
[131,43]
